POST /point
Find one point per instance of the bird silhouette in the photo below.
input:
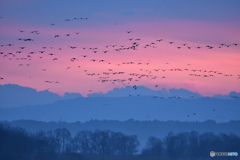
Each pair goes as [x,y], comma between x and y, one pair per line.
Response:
[73,59]
[159,40]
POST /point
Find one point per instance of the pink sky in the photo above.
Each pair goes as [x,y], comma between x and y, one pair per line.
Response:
[165,56]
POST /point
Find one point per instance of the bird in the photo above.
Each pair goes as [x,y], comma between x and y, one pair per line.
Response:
[159,40]
[73,59]
[134,87]
[28,39]
[11,54]
[72,47]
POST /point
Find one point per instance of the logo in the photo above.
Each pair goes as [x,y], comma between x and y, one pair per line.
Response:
[212,154]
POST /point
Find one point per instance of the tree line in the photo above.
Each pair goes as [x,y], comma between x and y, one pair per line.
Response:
[16,143]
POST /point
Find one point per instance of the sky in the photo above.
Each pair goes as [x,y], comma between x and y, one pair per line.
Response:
[89,50]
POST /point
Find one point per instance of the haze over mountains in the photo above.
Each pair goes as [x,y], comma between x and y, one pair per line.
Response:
[144,104]
[12,95]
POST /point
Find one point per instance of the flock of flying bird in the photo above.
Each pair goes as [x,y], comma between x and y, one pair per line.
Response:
[110,75]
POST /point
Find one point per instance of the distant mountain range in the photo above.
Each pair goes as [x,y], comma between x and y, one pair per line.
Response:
[120,104]
[12,95]
[123,108]
[16,96]
[143,91]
